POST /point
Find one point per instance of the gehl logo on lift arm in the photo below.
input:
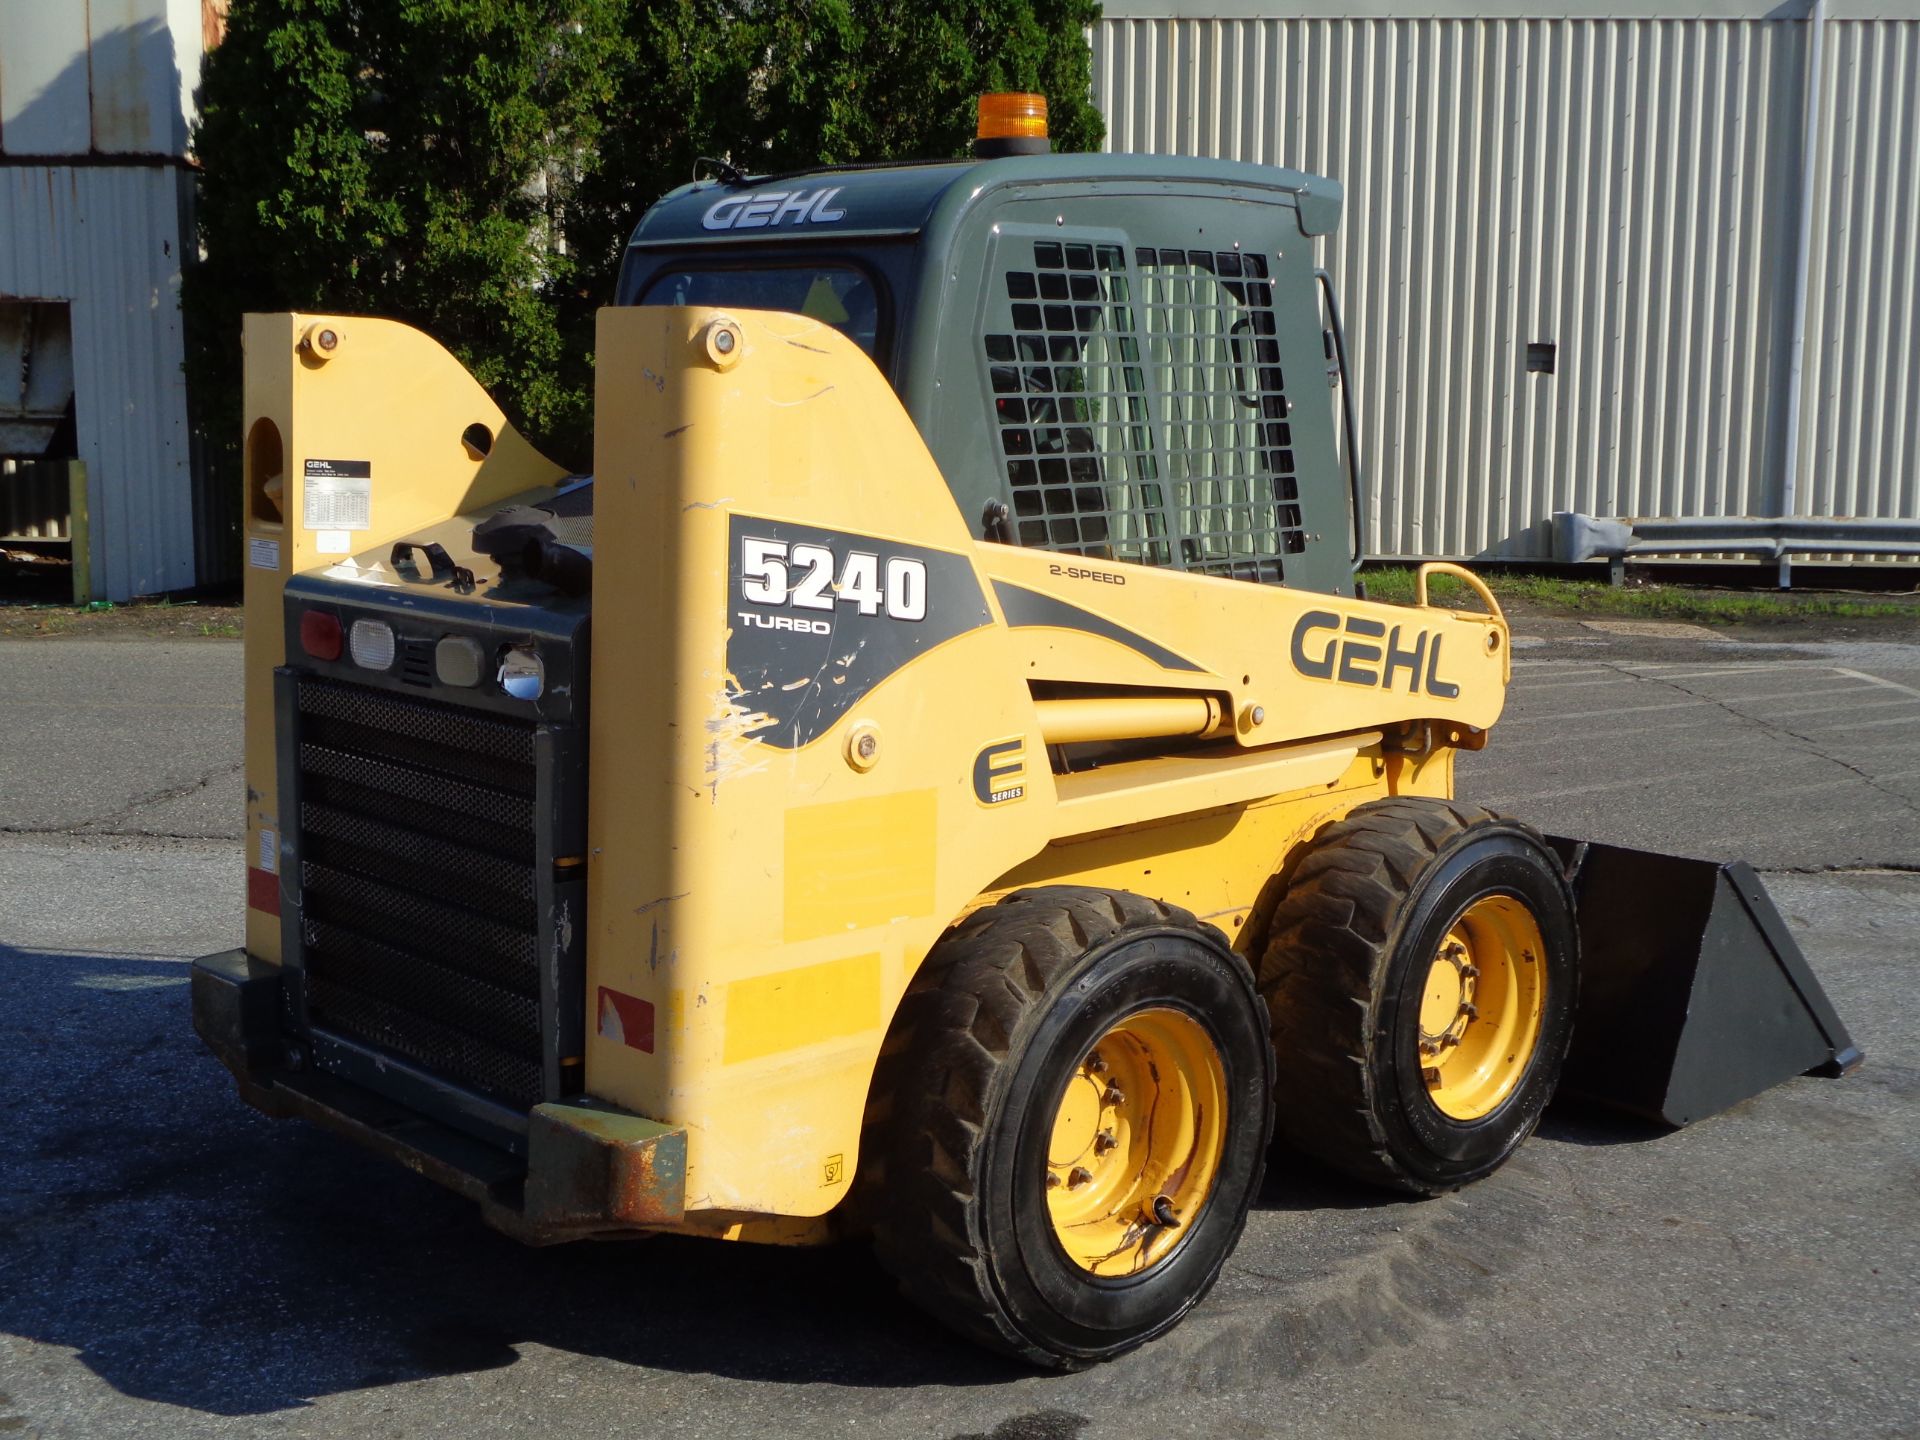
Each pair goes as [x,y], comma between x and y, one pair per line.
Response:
[1347,655]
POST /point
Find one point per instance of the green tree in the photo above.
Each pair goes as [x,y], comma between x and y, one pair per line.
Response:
[474,167]
[775,87]
[388,157]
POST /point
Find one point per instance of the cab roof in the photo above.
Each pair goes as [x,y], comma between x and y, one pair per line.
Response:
[848,202]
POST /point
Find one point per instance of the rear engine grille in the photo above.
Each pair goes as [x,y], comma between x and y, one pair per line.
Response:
[419,924]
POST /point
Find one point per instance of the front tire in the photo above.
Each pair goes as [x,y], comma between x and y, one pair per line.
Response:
[1421,971]
[1075,1104]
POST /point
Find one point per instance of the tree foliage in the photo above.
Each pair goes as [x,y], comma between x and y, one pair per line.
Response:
[474,167]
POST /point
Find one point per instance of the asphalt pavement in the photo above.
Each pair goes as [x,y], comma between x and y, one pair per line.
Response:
[172,1264]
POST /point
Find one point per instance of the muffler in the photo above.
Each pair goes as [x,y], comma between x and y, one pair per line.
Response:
[1693,995]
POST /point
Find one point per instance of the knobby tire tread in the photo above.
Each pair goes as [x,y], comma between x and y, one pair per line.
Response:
[954,1036]
[1324,963]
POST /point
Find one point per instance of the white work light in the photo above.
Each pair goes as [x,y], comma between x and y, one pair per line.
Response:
[371,642]
[458,660]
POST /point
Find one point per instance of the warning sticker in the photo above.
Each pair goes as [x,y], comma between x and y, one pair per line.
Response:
[337,495]
[263,554]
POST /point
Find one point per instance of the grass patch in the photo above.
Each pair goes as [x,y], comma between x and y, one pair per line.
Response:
[142,620]
[1641,600]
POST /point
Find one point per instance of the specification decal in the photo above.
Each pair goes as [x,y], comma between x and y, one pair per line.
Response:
[337,495]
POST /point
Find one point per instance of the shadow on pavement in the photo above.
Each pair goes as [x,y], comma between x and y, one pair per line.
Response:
[1581,1122]
[197,1254]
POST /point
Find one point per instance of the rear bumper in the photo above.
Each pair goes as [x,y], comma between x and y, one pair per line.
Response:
[589,1168]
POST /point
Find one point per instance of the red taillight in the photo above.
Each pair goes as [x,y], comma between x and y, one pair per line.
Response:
[320,635]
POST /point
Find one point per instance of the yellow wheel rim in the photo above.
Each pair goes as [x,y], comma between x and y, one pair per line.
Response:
[1480,1010]
[1136,1142]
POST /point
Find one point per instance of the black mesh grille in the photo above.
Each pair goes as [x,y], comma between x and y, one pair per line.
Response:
[419,926]
[1093,346]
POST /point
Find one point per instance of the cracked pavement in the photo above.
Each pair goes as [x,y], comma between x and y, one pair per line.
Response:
[172,1264]
[116,738]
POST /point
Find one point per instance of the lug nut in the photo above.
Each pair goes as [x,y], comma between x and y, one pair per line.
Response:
[1470,972]
[1471,1011]
[1096,1064]
[1053,1181]
[1115,1095]
[1163,1213]
[1104,1141]
[1078,1176]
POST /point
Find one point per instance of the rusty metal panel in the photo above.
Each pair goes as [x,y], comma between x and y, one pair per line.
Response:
[36,375]
[109,77]
[136,98]
[1618,183]
[34,500]
[108,240]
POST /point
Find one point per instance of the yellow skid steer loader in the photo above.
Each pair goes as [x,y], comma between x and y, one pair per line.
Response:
[936,780]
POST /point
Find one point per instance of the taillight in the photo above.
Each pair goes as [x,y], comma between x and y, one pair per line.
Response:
[320,635]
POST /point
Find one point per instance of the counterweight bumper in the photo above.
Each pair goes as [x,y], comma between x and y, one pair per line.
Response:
[1693,995]
[588,1169]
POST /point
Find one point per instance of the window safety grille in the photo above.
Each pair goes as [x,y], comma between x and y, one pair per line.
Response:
[1141,411]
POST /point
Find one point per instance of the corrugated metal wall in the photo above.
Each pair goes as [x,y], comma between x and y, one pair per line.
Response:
[108,86]
[1625,189]
[107,238]
[1860,436]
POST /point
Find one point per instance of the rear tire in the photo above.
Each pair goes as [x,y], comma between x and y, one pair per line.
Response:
[1004,1168]
[1421,971]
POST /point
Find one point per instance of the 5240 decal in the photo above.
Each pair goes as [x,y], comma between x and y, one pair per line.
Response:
[803,576]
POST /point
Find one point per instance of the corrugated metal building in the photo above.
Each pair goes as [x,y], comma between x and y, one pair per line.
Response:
[95,213]
[1572,242]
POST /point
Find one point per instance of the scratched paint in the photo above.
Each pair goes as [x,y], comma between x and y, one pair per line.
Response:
[733,751]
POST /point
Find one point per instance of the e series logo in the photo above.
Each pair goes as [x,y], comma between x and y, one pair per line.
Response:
[1000,772]
[1347,656]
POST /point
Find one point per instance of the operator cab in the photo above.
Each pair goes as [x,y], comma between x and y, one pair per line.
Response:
[1118,357]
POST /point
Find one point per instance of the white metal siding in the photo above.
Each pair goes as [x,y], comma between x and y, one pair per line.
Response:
[107,239]
[1860,450]
[1625,188]
[109,77]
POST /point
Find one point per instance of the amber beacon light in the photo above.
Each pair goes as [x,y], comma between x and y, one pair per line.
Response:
[1012,124]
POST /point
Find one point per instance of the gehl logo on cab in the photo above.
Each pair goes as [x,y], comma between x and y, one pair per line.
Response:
[1346,653]
[774,207]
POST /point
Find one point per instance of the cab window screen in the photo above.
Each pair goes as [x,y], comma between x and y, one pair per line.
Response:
[1140,407]
[836,295]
